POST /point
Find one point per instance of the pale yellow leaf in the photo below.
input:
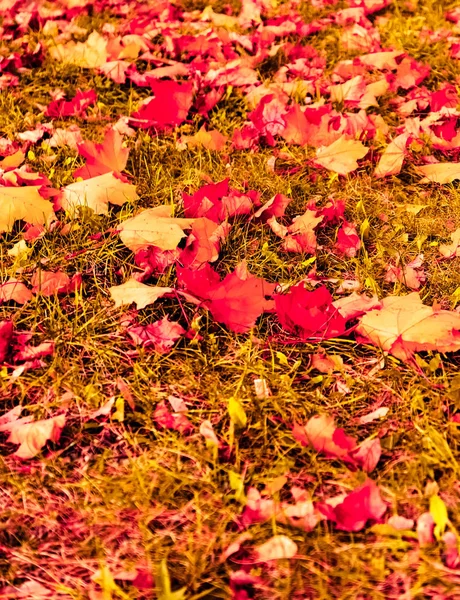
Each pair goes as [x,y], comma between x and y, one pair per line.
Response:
[341,156]
[97,192]
[392,159]
[139,293]
[439,172]
[88,55]
[153,227]
[404,325]
[23,203]
[277,547]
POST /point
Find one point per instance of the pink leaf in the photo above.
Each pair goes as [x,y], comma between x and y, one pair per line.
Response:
[14,290]
[32,437]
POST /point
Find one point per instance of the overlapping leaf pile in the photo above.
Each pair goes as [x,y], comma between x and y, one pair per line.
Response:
[187,64]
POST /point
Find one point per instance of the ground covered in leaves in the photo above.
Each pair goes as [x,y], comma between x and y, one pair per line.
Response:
[229,336]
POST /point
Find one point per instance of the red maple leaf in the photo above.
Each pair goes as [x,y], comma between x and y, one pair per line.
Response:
[348,241]
[165,419]
[168,108]
[75,107]
[161,335]
[321,433]
[218,201]
[309,314]
[6,335]
[203,243]
[236,301]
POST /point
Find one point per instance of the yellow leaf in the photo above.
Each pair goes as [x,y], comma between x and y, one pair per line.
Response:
[438,511]
[404,325]
[364,228]
[236,412]
[282,358]
[341,156]
[97,192]
[139,293]
[153,227]
[23,203]
[237,485]
[119,414]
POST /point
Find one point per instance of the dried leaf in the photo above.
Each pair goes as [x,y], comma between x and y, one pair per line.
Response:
[23,203]
[97,192]
[139,293]
[404,325]
[153,227]
[341,156]
[32,437]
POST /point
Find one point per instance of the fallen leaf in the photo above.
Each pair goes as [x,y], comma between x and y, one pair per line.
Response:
[23,203]
[97,192]
[48,283]
[404,325]
[236,301]
[341,156]
[29,353]
[207,431]
[32,437]
[6,335]
[357,508]
[400,523]
[20,250]
[411,275]
[321,433]
[425,528]
[91,54]
[153,227]
[133,291]
[309,314]
[116,70]
[218,202]
[261,388]
[451,553]
[210,140]
[439,172]
[277,548]
[275,207]
[59,109]
[451,250]
[108,157]
[348,241]
[30,590]
[354,305]
[301,235]
[392,159]
[161,335]
[378,413]
[168,108]
[203,243]
[168,420]
[14,290]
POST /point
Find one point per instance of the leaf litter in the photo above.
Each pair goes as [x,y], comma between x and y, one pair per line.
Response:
[174,429]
